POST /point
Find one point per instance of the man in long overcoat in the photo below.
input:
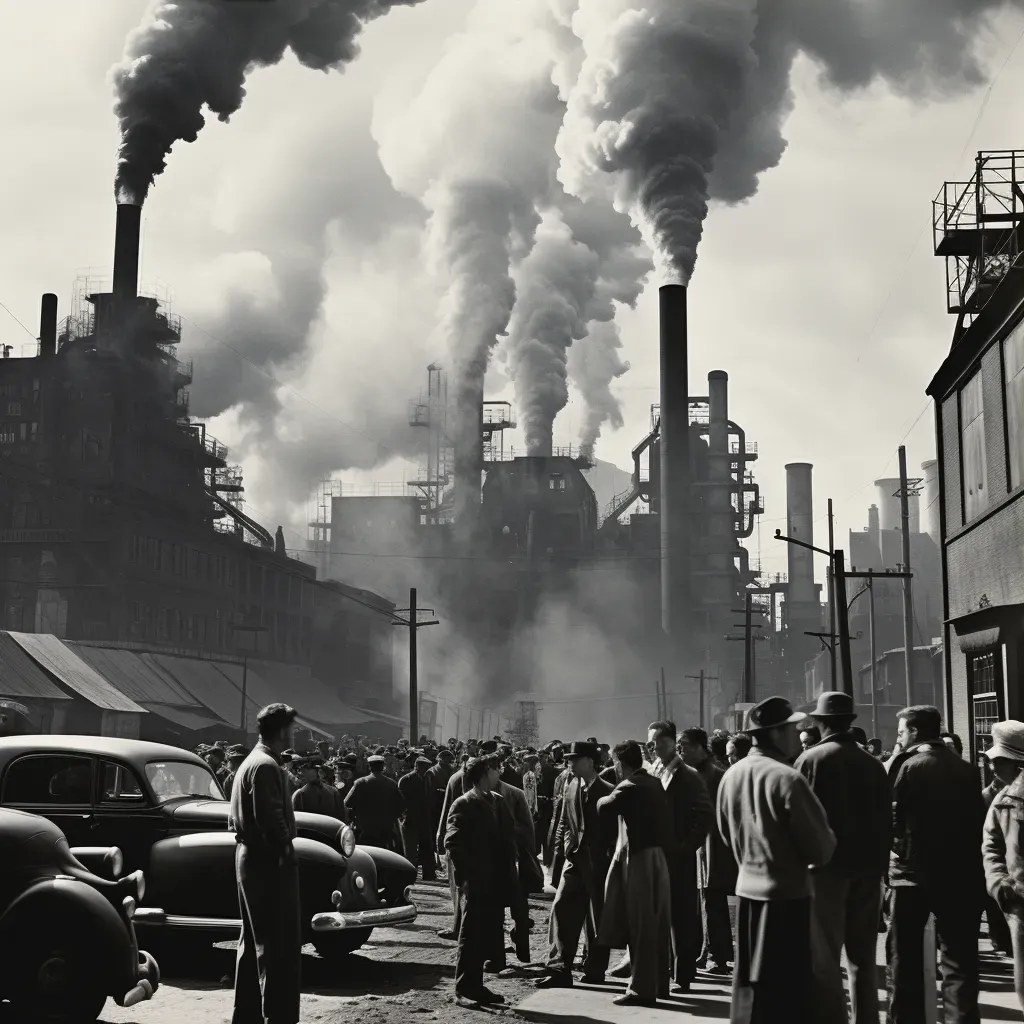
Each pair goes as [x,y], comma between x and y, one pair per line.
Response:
[416,836]
[268,963]
[480,845]
[455,788]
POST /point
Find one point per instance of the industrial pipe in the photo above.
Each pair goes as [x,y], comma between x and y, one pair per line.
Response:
[126,250]
[48,325]
[674,444]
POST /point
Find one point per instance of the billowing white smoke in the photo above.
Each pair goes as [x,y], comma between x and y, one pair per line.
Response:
[681,101]
[476,147]
[191,54]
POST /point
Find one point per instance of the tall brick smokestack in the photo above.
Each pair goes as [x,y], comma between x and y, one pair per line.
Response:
[126,250]
[675,479]
[48,325]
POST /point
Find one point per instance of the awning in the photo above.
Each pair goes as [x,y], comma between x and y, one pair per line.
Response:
[21,677]
[256,687]
[300,688]
[211,688]
[192,718]
[132,676]
[379,716]
[52,655]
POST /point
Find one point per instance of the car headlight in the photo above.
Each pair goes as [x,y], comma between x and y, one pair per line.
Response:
[128,906]
[115,862]
[347,840]
[136,882]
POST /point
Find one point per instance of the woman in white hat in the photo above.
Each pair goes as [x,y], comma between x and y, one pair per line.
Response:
[1002,846]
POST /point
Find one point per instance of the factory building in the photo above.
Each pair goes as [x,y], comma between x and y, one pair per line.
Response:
[978,392]
[120,518]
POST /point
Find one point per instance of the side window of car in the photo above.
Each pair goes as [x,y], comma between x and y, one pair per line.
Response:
[48,779]
[119,785]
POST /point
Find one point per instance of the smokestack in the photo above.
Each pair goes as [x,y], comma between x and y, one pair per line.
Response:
[800,525]
[675,476]
[720,583]
[876,538]
[931,499]
[126,250]
[48,325]
[888,505]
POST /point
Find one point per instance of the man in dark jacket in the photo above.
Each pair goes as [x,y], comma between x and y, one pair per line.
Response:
[716,867]
[587,846]
[268,965]
[417,839]
[456,787]
[692,819]
[375,805]
[437,782]
[312,795]
[479,840]
[546,775]
[935,868]
[847,892]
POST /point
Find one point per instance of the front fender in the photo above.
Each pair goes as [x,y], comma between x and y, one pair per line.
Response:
[64,909]
[394,872]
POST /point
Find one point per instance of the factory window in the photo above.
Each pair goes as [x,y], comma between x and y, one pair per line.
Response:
[1013,386]
[985,681]
[8,433]
[972,447]
[10,390]
[557,482]
[13,409]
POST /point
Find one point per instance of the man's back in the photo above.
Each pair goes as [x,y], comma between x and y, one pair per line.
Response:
[261,809]
[644,806]
[774,825]
[853,788]
[938,815]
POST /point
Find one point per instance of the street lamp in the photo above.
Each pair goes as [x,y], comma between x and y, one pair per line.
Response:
[241,627]
[837,560]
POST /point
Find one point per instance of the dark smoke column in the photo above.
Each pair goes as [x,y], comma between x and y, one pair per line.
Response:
[191,54]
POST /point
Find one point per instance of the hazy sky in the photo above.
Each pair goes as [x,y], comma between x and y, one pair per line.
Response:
[820,297]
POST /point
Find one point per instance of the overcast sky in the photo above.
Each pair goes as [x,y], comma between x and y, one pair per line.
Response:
[820,297]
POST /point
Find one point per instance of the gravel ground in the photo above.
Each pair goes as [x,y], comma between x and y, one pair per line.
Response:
[402,974]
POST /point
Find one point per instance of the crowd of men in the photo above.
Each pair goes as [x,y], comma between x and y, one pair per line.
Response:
[823,838]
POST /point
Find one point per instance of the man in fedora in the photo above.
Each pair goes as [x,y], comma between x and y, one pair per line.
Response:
[1003,845]
[776,828]
[854,790]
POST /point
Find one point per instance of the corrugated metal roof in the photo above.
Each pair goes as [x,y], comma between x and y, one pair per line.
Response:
[191,718]
[20,676]
[51,654]
[307,694]
[132,676]
[266,693]
[212,689]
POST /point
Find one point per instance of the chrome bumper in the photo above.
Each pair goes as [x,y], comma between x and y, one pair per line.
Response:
[377,918]
[154,917]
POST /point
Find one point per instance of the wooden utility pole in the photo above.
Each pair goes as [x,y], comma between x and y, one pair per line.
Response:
[413,624]
[839,587]
[907,488]
[748,638]
[832,592]
[701,680]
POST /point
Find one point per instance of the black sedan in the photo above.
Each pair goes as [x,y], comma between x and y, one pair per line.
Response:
[164,812]
[66,933]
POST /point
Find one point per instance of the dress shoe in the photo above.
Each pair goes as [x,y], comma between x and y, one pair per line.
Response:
[557,979]
[680,988]
[447,933]
[592,979]
[494,966]
[629,999]
[491,998]
[623,969]
[720,969]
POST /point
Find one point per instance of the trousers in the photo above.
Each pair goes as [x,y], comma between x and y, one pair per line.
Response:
[418,847]
[957,926]
[480,934]
[845,916]
[685,915]
[268,965]
[577,908]
[715,926]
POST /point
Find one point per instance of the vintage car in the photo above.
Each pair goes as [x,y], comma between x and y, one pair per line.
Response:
[163,810]
[67,935]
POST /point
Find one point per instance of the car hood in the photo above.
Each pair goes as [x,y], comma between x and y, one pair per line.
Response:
[209,814]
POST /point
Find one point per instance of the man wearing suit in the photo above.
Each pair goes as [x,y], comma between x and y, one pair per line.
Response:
[416,837]
[269,960]
[587,847]
[375,804]
[692,820]
[530,874]
[480,845]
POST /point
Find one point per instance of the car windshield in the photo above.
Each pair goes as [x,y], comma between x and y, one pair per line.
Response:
[172,780]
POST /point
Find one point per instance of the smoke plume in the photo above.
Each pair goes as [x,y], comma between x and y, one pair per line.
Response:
[476,147]
[677,103]
[188,54]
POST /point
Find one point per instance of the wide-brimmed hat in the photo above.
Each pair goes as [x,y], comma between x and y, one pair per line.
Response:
[582,749]
[834,704]
[1007,741]
[770,714]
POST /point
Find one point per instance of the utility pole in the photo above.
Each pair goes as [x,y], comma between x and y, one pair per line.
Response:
[701,680]
[413,623]
[747,611]
[907,488]
[839,586]
[874,657]
[832,592]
